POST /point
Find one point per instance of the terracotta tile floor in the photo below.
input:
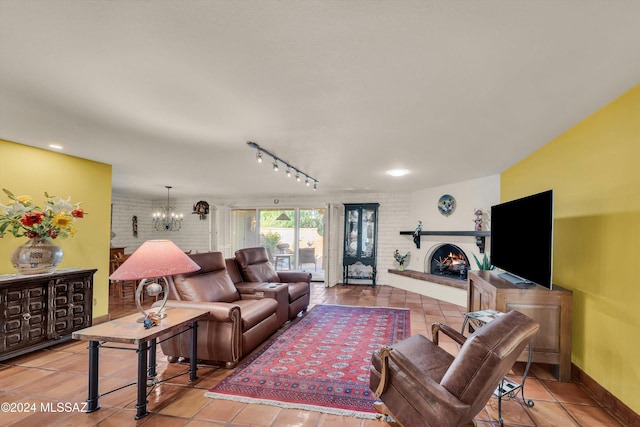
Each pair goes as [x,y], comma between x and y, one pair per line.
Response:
[58,374]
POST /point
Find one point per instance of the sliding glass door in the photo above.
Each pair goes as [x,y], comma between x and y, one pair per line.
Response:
[294,238]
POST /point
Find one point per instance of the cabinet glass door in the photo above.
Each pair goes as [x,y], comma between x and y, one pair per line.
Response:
[368,243]
[352,232]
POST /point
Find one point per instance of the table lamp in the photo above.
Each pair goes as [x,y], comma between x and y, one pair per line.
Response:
[151,263]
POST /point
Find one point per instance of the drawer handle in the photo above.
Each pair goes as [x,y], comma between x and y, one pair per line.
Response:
[26,316]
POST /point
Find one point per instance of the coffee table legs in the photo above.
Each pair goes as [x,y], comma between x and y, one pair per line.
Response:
[92,400]
[141,406]
[193,363]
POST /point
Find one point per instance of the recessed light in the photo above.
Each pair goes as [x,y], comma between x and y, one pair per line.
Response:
[397,172]
[55,146]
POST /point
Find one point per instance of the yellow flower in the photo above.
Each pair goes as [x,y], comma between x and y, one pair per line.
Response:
[62,220]
[25,200]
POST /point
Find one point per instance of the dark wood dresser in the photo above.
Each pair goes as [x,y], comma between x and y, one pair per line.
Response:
[40,310]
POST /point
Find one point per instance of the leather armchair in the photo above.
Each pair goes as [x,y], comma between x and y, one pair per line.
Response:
[420,384]
[254,266]
[237,322]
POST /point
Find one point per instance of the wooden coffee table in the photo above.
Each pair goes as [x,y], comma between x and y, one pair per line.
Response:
[128,331]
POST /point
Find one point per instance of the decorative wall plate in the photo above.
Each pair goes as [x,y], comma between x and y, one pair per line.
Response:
[446,204]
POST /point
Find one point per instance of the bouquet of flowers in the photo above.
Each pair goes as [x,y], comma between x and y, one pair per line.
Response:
[22,218]
[400,258]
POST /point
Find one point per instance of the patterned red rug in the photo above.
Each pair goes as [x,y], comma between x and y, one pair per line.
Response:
[320,363]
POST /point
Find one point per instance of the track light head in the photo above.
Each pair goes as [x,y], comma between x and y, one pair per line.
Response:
[315,185]
[275,165]
[306,181]
[288,172]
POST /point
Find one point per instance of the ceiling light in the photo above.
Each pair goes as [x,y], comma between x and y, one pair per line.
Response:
[166,219]
[397,172]
[276,167]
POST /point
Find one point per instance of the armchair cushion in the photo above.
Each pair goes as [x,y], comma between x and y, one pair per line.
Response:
[210,283]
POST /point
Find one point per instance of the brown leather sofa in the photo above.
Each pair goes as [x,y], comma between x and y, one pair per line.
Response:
[238,320]
[254,267]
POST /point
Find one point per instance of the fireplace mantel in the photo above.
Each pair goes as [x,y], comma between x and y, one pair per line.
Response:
[479,235]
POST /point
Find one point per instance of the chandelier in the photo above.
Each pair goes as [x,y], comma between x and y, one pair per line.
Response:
[166,219]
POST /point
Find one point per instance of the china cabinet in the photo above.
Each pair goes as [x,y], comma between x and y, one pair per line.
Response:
[360,241]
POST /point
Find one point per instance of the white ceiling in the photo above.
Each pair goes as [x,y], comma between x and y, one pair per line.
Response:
[170,91]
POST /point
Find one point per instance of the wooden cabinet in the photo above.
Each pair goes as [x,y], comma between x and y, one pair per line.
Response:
[360,242]
[552,309]
[40,310]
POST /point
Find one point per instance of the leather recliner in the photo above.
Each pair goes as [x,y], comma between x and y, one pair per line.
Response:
[255,267]
[237,322]
[420,384]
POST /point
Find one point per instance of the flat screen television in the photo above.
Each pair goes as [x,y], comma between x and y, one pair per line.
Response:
[522,239]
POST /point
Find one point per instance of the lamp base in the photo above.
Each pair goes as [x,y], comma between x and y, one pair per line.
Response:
[156,289]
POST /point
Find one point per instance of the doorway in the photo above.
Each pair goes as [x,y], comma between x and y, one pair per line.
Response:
[294,238]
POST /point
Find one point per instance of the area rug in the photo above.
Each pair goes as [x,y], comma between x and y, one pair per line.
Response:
[320,363]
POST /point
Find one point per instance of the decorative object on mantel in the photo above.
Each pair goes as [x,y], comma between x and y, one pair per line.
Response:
[166,219]
[446,204]
[478,219]
[41,225]
[150,264]
[400,258]
[416,234]
[479,235]
[201,209]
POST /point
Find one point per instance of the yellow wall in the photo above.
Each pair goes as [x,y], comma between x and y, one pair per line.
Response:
[32,171]
[594,169]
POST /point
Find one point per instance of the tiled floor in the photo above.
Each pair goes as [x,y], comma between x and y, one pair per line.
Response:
[58,376]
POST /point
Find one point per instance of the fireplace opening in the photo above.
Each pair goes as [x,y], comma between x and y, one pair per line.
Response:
[448,260]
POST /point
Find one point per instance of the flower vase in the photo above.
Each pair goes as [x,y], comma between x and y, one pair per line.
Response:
[401,267]
[39,255]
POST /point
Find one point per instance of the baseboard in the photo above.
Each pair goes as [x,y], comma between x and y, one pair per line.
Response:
[101,319]
[605,397]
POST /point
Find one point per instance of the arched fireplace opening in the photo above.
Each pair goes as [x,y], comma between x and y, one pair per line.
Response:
[447,260]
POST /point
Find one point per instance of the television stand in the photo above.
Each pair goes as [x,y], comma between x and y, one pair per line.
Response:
[516,280]
[551,308]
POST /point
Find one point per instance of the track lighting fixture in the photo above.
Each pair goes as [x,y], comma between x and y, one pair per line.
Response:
[289,167]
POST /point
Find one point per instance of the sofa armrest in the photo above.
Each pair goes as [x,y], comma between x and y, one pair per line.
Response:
[218,311]
[294,276]
[437,327]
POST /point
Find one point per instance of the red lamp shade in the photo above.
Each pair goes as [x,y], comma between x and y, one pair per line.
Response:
[155,258]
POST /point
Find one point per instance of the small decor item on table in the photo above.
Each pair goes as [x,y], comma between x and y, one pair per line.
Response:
[401,259]
[21,217]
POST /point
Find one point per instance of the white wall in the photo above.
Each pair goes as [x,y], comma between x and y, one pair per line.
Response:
[193,236]
[398,212]
[481,193]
